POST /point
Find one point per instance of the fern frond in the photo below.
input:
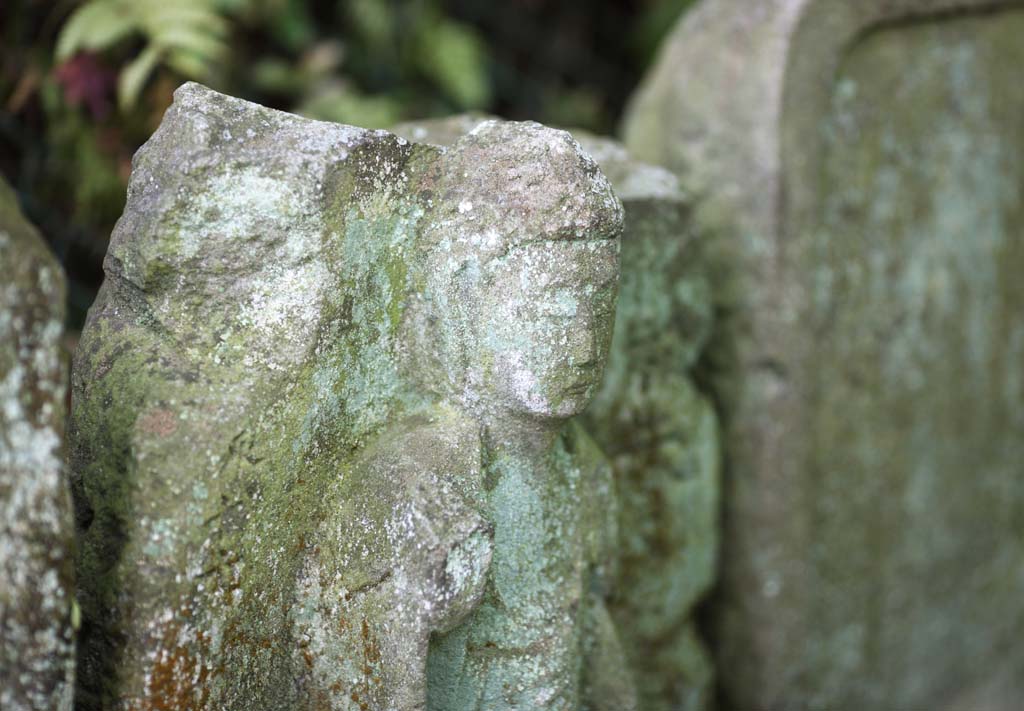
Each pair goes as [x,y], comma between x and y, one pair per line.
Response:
[186,28]
[133,77]
[190,36]
[189,39]
[94,26]
[188,64]
[200,14]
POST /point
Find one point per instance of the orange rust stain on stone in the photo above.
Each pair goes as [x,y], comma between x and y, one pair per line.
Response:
[371,649]
[365,693]
[178,679]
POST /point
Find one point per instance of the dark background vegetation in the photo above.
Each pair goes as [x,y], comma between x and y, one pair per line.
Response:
[83,83]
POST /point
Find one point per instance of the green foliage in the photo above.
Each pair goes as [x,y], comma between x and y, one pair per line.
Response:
[94,26]
[455,58]
[346,105]
[99,199]
[187,35]
[422,48]
[373,20]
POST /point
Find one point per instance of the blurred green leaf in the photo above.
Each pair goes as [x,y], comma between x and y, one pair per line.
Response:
[364,62]
[373,20]
[277,76]
[201,14]
[94,26]
[188,64]
[189,39]
[455,57]
[189,35]
[133,77]
[190,26]
[344,105]
[291,24]
[89,173]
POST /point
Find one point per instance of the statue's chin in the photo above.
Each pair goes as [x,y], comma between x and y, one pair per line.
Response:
[566,406]
[548,404]
[543,409]
[573,406]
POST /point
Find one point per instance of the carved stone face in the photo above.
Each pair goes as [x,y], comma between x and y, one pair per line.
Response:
[545,324]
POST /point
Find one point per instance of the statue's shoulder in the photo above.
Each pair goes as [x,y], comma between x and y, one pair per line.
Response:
[424,473]
[416,486]
[440,448]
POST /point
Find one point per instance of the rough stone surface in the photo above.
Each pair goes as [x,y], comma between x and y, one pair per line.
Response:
[869,364]
[36,603]
[659,430]
[320,432]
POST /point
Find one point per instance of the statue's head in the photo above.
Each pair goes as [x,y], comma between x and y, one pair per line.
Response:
[522,272]
[543,325]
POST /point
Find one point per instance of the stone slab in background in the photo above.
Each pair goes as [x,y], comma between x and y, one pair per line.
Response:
[870,157]
[36,599]
[654,423]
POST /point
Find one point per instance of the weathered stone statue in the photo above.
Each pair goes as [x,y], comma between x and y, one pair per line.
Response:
[484,505]
[320,422]
[660,431]
[869,358]
[36,603]
[522,351]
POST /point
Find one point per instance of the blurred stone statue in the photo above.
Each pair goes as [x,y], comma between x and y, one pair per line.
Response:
[37,613]
[661,432]
[323,457]
[864,161]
